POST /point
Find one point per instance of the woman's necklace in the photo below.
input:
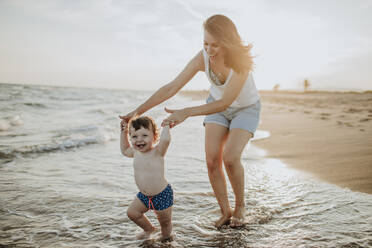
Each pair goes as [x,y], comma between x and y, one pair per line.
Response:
[221,76]
[218,77]
[215,77]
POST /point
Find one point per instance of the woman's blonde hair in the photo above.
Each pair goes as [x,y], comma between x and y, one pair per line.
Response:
[237,55]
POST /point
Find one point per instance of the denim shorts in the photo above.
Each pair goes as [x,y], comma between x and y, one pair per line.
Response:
[246,118]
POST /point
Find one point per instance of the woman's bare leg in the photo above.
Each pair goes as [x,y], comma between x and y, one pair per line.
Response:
[215,137]
[237,140]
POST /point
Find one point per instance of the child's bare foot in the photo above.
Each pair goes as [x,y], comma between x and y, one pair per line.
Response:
[238,218]
[224,220]
[145,234]
[169,238]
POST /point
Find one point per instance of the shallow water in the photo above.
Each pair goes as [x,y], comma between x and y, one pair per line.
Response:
[64,183]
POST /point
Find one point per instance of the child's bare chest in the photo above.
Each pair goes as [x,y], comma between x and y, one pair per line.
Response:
[148,161]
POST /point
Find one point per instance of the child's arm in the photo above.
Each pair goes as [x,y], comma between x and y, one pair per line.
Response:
[125,147]
[164,140]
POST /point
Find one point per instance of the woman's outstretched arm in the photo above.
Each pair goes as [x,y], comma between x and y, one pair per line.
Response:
[167,91]
[231,93]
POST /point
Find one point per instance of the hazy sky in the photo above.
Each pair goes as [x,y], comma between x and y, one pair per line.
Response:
[143,44]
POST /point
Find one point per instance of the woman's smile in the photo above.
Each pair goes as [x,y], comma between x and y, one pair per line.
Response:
[212,57]
[211,46]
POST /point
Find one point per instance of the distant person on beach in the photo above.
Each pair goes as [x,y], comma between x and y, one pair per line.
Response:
[232,109]
[148,162]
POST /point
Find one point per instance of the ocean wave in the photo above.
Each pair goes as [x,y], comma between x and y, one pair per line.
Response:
[13,135]
[4,125]
[7,123]
[16,120]
[102,111]
[35,104]
[9,154]
[81,129]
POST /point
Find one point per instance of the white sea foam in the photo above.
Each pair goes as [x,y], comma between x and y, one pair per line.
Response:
[261,134]
[4,125]
[16,121]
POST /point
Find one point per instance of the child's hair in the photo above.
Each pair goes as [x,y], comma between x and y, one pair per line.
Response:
[145,122]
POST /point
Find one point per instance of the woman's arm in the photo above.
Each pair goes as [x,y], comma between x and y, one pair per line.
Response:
[167,91]
[231,93]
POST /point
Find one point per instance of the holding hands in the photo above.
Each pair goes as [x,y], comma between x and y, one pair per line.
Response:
[124,126]
[125,120]
[177,116]
[128,116]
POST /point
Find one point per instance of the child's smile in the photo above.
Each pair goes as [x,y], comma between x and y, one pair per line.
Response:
[142,139]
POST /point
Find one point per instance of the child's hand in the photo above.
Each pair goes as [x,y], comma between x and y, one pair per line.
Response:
[167,123]
[124,125]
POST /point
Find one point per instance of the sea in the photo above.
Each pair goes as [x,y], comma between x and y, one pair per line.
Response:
[64,182]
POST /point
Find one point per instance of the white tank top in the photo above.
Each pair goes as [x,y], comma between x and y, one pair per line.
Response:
[248,94]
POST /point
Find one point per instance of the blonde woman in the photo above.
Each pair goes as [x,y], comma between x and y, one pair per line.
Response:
[232,109]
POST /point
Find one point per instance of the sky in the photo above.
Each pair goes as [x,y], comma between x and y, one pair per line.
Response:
[144,44]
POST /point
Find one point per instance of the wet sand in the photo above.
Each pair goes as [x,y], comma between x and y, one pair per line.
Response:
[328,134]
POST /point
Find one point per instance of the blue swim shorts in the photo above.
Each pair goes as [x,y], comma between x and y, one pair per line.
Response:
[246,118]
[161,201]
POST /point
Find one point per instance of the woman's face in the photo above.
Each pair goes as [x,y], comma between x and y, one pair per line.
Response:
[212,47]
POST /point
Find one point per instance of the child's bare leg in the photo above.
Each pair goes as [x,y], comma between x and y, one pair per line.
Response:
[136,212]
[165,220]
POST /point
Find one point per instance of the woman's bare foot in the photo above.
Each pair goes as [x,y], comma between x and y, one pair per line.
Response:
[224,220]
[145,234]
[238,218]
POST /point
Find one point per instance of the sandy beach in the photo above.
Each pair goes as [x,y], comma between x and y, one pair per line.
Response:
[328,134]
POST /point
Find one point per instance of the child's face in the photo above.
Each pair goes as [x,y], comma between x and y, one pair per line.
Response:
[141,139]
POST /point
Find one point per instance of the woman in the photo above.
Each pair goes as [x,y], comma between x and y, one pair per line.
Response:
[232,109]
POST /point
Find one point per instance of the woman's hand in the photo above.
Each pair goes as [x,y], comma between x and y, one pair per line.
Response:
[176,117]
[128,116]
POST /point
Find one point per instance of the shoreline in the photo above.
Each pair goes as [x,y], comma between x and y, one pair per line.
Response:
[327,134]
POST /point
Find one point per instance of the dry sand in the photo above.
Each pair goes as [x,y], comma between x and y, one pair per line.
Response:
[328,134]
